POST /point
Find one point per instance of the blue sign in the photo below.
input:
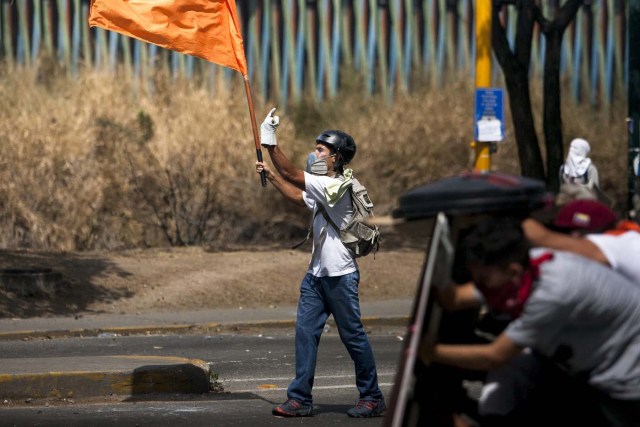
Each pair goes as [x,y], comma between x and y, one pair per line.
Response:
[488,121]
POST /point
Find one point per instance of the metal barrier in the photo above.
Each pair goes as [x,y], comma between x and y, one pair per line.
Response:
[298,48]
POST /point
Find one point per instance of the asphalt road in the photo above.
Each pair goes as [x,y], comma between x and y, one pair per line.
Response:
[254,371]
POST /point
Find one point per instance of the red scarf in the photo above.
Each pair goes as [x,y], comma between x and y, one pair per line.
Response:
[511,297]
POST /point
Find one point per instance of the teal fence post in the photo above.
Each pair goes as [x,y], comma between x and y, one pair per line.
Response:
[323,47]
[113,50]
[265,44]
[334,64]
[76,38]
[36,30]
[64,45]
[298,81]
[23,51]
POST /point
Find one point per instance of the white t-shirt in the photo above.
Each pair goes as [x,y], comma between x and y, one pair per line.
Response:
[329,257]
[622,251]
[585,317]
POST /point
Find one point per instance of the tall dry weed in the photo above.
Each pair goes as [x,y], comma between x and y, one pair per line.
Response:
[93,163]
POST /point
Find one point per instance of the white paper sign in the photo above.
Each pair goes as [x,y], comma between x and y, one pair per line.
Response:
[489,130]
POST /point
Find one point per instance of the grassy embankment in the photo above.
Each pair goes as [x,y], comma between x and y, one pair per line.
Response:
[92,164]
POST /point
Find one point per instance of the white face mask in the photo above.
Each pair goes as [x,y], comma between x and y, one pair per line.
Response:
[315,165]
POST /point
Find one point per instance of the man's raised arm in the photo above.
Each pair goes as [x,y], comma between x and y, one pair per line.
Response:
[539,235]
[280,161]
[288,190]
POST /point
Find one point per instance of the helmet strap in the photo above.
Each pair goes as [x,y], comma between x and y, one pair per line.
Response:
[338,163]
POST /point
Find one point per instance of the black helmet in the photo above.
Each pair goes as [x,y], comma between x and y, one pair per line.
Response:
[341,142]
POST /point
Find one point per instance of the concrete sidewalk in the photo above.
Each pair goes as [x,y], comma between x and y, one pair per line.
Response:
[75,377]
[390,312]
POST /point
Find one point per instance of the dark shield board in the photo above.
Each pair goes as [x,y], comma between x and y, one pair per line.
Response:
[424,323]
[472,194]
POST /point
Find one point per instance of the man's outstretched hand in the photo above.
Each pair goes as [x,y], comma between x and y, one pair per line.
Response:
[268,129]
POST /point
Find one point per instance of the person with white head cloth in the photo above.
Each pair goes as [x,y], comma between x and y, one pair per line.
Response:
[578,168]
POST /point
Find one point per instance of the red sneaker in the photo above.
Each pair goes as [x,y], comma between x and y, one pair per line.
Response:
[367,409]
[293,408]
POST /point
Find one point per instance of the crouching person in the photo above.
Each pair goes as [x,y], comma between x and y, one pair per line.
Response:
[569,313]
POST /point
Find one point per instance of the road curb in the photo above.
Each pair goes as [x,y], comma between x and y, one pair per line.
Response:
[213,327]
[102,376]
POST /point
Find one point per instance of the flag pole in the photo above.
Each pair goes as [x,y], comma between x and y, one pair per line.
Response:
[254,126]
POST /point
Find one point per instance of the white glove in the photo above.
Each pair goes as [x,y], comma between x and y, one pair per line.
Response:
[268,129]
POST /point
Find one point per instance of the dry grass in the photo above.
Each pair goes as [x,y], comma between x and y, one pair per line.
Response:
[90,163]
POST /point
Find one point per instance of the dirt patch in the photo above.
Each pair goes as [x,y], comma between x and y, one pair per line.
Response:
[189,279]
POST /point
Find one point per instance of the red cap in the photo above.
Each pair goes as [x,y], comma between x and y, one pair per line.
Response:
[586,215]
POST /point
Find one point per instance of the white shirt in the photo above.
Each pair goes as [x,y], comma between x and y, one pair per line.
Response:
[622,252]
[585,317]
[329,257]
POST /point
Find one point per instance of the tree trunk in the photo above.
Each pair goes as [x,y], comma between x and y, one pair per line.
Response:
[552,114]
[515,67]
[522,115]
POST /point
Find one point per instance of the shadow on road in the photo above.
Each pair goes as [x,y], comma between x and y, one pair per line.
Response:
[202,397]
[72,293]
[196,397]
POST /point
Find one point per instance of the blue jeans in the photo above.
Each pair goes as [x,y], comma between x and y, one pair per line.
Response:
[320,297]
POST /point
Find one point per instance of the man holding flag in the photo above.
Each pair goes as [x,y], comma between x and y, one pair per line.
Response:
[330,286]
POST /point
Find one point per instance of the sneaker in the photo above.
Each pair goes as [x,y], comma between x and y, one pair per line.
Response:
[367,408]
[293,408]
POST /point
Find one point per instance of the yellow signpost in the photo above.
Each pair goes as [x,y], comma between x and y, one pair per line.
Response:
[483,75]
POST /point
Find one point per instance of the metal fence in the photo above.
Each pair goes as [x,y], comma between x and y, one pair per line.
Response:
[300,48]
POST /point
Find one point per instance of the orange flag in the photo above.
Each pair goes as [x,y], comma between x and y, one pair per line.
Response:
[208,29]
